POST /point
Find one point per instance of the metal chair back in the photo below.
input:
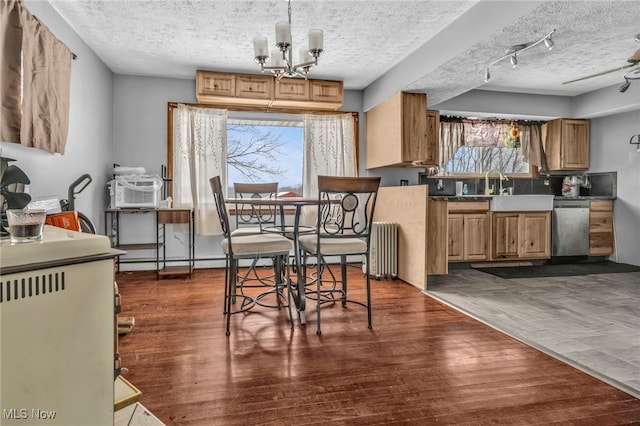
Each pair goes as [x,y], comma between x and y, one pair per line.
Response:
[250,215]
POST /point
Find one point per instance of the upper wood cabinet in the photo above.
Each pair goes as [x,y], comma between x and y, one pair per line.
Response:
[397,132]
[209,84]
[566,143]
[432,143]
[267,92]
[296,89]
[254,87]
[326,91]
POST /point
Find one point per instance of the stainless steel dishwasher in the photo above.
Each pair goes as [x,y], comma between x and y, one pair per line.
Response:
[570,228]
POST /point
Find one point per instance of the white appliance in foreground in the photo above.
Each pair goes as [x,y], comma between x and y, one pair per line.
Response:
[57,330]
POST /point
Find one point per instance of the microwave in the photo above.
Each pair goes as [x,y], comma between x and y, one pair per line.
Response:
[135,192]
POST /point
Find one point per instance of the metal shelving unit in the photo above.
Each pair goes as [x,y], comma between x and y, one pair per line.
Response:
[162,218]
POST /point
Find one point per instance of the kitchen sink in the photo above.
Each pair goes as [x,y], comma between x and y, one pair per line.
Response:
[529,202]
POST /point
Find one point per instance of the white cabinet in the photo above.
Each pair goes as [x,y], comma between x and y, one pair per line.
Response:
[57,332]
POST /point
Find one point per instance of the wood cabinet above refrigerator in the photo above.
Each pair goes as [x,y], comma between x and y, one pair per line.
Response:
[401,132]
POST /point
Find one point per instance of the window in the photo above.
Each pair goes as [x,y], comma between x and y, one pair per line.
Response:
[488,145]
[265,151]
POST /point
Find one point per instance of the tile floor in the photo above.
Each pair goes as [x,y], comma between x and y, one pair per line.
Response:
[592,322]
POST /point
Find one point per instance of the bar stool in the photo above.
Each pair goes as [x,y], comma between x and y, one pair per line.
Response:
[269,247]
[249,218]
[345,216]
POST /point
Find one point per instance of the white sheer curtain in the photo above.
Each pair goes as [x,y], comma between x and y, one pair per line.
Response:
[329,149]
[199,153]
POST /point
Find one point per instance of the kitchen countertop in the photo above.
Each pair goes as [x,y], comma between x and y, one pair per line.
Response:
[480,197]
[586,197]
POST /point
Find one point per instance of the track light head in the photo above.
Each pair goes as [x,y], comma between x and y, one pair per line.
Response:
[623,88]
[487,76]
[549,43]
[514,61]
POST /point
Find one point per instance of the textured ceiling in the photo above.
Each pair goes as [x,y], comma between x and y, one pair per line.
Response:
[440,47]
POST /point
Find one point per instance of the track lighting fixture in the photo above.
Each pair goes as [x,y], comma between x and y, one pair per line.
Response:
[512,52]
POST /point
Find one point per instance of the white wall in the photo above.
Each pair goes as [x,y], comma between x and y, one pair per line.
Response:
[611,151]
[88,148]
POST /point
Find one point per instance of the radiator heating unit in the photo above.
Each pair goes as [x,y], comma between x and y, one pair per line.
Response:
[383,252]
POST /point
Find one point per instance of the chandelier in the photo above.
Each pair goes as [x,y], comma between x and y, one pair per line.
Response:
[281,63]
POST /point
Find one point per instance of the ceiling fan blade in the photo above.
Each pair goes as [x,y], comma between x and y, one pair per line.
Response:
[635,58]
[599,74]
[14,174]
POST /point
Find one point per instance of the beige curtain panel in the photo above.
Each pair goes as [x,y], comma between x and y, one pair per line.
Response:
[36,113]
[531,146]
[10,71]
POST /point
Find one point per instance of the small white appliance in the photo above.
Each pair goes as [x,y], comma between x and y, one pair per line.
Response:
[135,192]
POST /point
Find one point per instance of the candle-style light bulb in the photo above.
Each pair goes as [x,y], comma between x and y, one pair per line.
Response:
[260,46]
[283,34]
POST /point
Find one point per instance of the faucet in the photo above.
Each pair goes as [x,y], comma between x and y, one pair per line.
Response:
[488,190]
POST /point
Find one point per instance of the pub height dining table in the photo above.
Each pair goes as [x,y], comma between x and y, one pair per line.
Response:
[285,205]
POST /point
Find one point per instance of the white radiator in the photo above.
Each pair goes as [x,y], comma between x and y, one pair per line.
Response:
[383,251]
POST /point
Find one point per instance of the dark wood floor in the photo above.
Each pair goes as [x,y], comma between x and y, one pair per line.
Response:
[422,363]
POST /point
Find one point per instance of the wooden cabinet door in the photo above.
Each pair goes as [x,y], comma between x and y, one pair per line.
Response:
[326,91]
[505,235]
[574,149]
[215,84]
[432,140]
[601,235]
[535,235]
[475,236]
[384,133]
[293,89]
[455,237]
[414,127]
[566,144]
[254,87]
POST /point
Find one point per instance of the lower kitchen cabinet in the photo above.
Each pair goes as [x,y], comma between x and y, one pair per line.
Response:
[601,236]
[506,239]
[468,231]
[521,235]
[535,235]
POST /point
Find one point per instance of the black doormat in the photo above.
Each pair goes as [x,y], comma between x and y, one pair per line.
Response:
[560,270]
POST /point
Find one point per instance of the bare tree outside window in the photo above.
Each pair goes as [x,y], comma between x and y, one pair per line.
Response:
[488,145]
[257,153]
